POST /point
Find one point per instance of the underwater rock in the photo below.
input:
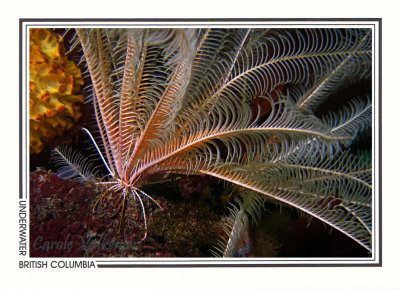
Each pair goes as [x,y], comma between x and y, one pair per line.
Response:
[62,223]
[187,228]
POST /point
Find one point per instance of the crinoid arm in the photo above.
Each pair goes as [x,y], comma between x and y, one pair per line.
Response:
[73,164]
[243,210]
[336,190]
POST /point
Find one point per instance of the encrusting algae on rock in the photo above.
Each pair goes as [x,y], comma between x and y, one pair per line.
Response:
[54,87]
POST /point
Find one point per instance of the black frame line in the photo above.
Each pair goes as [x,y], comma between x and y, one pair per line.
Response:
[239,20]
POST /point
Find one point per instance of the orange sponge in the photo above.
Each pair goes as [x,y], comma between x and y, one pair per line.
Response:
[54,87]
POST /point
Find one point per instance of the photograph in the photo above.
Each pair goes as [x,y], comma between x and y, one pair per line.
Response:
[211,151]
